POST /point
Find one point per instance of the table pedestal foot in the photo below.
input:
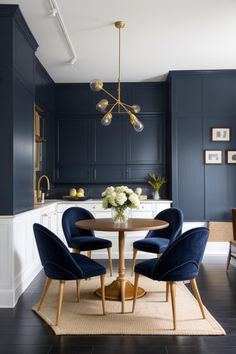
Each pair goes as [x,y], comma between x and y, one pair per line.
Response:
[113,291]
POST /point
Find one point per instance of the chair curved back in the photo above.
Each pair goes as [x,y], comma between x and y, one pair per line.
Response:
[175,219]
[181,260]
[69,217]
[54,255]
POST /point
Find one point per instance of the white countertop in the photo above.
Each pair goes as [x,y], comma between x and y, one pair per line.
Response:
[51,202]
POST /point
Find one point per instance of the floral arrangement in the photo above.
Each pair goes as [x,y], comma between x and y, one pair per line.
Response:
[120,198]
[156,181]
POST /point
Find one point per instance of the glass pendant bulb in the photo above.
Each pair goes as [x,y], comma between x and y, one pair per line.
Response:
[96,85]
[138,126]
[136,108]
[102,105]
[106,120]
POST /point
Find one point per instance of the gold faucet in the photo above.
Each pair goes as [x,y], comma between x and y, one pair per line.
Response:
[39,192]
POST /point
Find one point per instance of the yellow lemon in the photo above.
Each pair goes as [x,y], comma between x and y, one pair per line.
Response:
[73,192]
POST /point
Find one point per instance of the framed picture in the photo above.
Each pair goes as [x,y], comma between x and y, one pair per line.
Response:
[220,134]
[213,157]
[231,156]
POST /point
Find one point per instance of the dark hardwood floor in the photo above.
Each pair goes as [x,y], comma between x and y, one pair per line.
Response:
[21,331]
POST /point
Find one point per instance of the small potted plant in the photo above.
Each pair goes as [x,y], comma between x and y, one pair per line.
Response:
[156,182]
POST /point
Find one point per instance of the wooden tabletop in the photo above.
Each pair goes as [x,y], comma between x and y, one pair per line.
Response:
[131,225]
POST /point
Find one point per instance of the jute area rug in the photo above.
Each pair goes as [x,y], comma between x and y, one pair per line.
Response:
[153,315]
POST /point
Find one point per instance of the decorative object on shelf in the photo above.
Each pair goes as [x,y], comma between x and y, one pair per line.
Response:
[231,157]
[104,106]
[220,134]
[138,191]
[213,157]
[119,199]
[156,182]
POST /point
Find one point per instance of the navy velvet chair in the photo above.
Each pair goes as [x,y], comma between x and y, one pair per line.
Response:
[180,261]
[83,240]
[157,241]
[60,264]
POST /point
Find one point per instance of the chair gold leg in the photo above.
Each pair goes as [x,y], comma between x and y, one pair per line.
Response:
[134,260]
[89,254]
[102,278]
[173,303]
[197,295]
[122,295]
[60,300]
[167,291]
[44,293]
[229,258]
[135,290]
[110,260]
[78,290]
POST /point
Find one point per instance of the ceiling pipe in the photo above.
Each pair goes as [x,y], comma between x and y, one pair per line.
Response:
[55,12]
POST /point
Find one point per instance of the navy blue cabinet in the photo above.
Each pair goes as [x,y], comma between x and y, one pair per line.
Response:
[91,153]
[17,47]
[73,150]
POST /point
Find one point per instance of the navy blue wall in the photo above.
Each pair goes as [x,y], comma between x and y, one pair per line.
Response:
[201,100]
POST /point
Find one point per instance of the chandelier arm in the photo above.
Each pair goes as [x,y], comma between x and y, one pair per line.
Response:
[109,94]
[127,105]
[123,106]
[111,109]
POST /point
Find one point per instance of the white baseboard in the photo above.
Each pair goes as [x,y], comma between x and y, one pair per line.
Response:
[9,298]
[25,280]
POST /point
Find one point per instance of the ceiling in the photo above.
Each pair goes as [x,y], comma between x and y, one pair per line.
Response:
[160,35]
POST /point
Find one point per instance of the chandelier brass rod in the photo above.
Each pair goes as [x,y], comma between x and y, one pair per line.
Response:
[111,109]
[109,94]
[127,105]
[123,106]
[119,56]
[119,71]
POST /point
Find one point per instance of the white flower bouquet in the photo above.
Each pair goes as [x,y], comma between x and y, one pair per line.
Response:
[119,199]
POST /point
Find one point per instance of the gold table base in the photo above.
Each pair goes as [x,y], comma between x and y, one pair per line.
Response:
[113,291]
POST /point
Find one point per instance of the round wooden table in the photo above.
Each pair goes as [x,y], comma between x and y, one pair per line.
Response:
[121,289]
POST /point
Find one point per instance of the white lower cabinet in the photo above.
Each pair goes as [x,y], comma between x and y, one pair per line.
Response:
[19,260]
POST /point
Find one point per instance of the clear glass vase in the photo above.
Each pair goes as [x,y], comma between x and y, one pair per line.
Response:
[120,216]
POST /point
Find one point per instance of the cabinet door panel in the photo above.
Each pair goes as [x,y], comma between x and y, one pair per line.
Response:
[139,173]
[189,180]
[147,147]
[109,144]
[108,173]
[73,141]
[73,173]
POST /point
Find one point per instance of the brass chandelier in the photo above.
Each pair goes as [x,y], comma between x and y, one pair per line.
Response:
[104,105]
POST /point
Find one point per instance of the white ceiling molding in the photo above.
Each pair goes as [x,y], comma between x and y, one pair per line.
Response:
[55,12]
